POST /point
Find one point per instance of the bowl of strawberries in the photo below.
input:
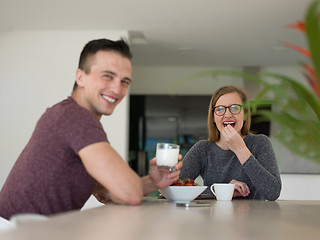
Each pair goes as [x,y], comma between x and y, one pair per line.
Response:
[182,191]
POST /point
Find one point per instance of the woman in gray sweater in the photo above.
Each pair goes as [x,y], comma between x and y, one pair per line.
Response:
[232,154]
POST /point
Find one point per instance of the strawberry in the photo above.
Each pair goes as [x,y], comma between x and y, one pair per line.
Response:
[185,182]
[188,180]
[178,182]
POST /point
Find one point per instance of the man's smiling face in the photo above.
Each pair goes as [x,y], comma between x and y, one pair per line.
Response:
[106,84]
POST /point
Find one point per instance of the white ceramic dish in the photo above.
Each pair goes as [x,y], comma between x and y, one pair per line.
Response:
[182,194]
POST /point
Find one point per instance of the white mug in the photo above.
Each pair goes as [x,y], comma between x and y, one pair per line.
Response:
[222,191]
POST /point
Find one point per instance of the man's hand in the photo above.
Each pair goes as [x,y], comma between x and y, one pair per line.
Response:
[164,178]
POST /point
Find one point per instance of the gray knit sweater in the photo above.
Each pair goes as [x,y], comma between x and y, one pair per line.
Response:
[215,165]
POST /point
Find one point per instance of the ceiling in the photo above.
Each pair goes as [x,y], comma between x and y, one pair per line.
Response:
[178,32]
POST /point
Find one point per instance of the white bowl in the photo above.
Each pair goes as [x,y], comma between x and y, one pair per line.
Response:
[182,194]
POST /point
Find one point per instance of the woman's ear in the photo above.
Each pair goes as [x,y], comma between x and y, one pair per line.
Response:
[80,77]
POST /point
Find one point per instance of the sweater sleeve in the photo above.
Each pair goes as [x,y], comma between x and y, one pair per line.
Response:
[262,169]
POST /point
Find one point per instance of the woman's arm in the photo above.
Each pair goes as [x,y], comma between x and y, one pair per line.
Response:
[262,169]
[258,161]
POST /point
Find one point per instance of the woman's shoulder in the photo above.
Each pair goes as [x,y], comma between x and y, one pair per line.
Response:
[203,145]
[203,142]
[257,139]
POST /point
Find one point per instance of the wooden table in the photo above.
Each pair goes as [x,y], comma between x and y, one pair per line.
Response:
[159,219]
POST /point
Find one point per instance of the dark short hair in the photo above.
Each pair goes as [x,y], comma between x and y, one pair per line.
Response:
[214,134]
[92,47]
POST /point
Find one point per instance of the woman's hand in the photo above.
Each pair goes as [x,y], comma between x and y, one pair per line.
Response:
[164,178]
[232,138]
[241,189]
[235,143]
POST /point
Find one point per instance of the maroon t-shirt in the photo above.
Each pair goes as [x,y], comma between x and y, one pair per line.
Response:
[49,176]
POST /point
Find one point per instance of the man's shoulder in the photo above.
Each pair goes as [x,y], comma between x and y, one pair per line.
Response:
[69,109]
[65,105]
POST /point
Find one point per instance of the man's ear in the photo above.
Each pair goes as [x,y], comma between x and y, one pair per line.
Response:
[80,77]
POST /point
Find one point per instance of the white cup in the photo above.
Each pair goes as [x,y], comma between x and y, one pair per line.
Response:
[167,156]
[222,191]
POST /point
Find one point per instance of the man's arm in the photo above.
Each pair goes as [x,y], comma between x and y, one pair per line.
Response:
[152,182]
[105,165]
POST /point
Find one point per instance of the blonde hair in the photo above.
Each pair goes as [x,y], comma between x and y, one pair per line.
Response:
[214,134]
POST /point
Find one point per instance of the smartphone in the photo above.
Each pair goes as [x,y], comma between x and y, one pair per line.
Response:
[194,204]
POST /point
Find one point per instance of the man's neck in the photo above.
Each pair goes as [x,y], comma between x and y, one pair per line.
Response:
[79,100]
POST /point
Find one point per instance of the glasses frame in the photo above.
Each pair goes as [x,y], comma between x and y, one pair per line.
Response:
[225,109]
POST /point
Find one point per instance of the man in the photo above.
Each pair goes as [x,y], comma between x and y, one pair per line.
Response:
[68,157]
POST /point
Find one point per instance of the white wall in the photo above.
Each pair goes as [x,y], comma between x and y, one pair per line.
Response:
[300,187]
[164,79]
[37,69]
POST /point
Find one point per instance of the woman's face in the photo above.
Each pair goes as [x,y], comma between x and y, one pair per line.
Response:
[235,120]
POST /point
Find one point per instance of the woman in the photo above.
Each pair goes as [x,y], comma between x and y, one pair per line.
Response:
[232,154]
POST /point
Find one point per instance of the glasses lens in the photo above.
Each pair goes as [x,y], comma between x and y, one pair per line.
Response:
[235,109]
[220,110]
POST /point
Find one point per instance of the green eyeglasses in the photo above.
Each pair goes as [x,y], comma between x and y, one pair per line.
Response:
[221,110]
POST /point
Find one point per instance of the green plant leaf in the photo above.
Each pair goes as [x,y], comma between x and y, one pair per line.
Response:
[301,91]
[304,141]
[313,35]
